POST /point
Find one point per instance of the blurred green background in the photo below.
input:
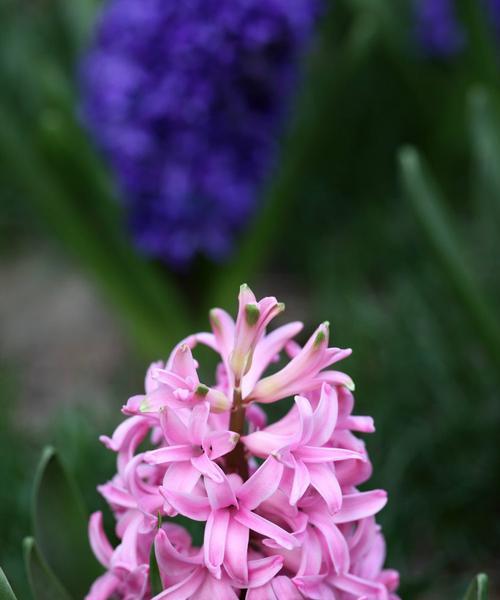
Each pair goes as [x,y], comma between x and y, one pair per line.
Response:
[382,217]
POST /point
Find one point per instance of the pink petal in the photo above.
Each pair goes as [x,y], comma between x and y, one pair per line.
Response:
[208,468]
[223,328]
[325,416]
[266,528]
[125,556]
[116,496]
[220,495]
[390,579]
[103,587]
[256,417]
[262,484]
[284,588]
[236,561]
[174,429]
[169,454]
[219,443]
[174,566]
[301,481]
[169,378]
[311,454]
[262,570]
[214,543]
[263,443]
[216,589]
[198,422]
[359,587]
[98,540]
[125,433]
[360,505]
[190,505]
[334,541]
[361,424]
[280,588]
[311,559]
[300,372]
[305,425]
[185,589]
[337,378]
[181,477]
[183,363]
[325,483]
[267,348]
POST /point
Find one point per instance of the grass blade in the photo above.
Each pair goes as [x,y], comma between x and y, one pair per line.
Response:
[425,199]
[6,592]
[478,589]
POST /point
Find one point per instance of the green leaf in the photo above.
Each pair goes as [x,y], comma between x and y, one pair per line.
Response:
[44,584]
[154,574]
[484,131]
[6,592]
[60,525]
[426,200]
[478,589]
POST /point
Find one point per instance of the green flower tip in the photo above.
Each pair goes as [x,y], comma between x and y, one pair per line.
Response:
[202,390]
[252,314]
[322,334]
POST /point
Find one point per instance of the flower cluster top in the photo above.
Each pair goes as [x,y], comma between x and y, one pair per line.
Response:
[188,100]
[283,518]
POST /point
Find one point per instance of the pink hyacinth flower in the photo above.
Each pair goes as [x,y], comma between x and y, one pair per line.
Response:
[282,516]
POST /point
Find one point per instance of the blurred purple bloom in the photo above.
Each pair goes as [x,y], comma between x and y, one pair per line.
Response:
[494,8]
[438,30]
[188,100]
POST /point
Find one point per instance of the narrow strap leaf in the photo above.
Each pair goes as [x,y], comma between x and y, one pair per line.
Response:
[6,592]
[485,139]
[154,574]
[60,525]
[44,584]
[478,589]
[426,200]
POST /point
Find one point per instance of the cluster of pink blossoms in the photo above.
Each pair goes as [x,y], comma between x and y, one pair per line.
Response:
[283,516]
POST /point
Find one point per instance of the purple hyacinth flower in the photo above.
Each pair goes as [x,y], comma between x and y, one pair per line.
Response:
[439,32]
[188,100]
[494,11]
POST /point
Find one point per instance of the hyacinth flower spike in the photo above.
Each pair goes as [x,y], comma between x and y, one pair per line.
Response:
[282,514]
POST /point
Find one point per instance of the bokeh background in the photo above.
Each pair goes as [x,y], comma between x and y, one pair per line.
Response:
[379,210]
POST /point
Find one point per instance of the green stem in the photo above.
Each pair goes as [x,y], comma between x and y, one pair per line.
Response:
[236,460]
